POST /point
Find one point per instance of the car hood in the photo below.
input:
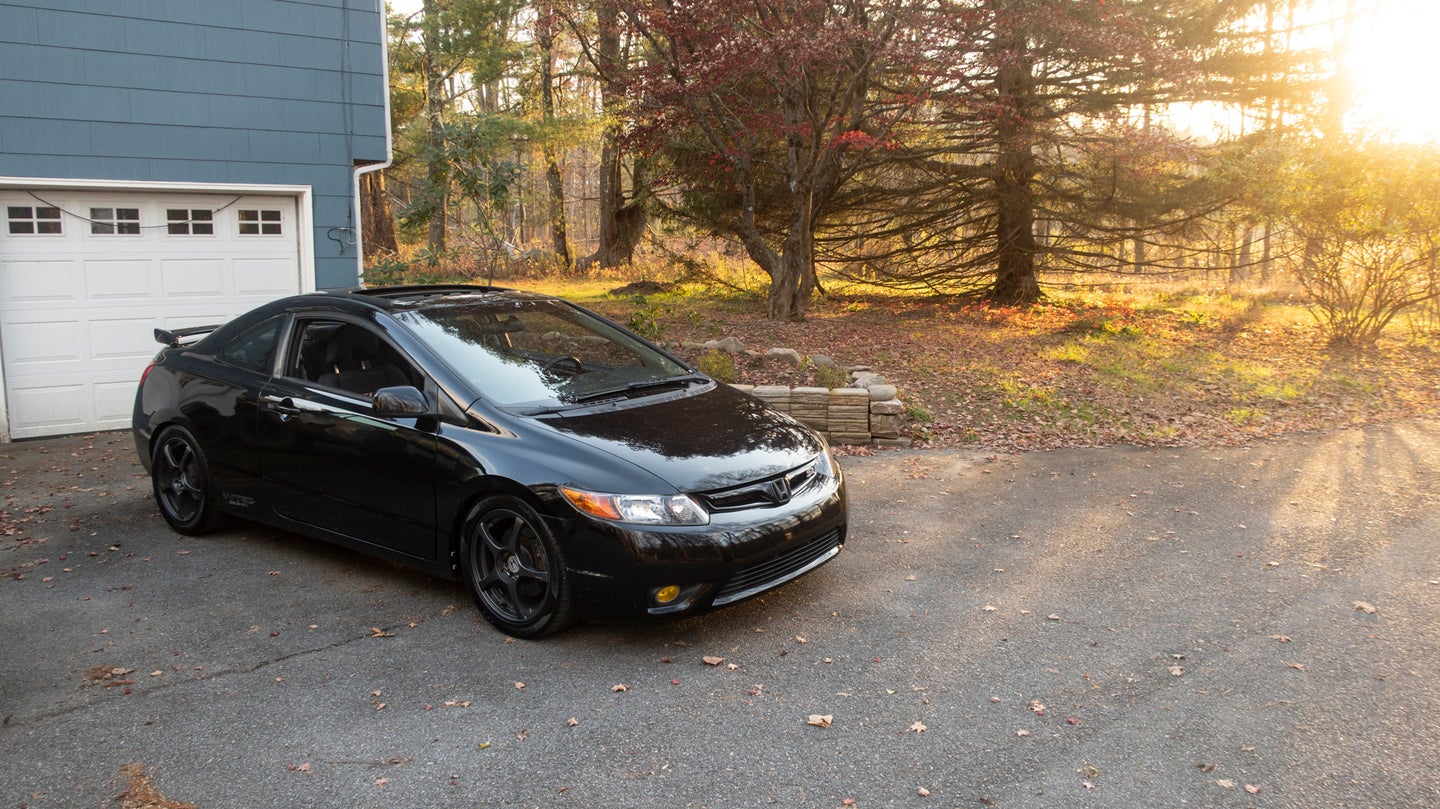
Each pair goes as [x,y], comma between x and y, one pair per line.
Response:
[701,442]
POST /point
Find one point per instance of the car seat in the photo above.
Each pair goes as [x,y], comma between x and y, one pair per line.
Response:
[353,362]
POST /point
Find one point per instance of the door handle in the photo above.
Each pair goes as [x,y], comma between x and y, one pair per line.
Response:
[281,406]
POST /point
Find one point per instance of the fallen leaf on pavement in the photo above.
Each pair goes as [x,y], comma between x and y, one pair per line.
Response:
[820,720]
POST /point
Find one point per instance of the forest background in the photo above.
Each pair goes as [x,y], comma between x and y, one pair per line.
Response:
[1053,222]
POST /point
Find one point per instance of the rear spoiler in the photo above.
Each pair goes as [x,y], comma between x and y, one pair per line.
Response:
[176,338]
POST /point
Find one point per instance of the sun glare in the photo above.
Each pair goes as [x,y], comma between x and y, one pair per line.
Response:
[1391,67]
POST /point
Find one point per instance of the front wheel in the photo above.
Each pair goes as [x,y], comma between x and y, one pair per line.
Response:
[181,479]
[513,568]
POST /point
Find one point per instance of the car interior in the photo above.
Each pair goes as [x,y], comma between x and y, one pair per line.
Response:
[348,357]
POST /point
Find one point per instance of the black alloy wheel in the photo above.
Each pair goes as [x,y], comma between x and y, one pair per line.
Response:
[181,480]
[514,569]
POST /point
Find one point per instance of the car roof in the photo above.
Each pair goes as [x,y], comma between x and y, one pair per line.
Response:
[364,300]
[419,296]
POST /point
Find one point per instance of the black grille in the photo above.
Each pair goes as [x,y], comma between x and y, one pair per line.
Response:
[777,570]
[768,492]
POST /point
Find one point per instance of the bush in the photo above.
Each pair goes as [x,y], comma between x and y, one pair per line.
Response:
[645,320]
[719,366]
[827,377]
[918,414]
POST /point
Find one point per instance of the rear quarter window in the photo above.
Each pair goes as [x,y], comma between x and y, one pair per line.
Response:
[254,349]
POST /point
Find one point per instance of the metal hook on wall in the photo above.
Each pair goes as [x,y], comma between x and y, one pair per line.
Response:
[345,237]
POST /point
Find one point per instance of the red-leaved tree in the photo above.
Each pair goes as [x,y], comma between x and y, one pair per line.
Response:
[764,108]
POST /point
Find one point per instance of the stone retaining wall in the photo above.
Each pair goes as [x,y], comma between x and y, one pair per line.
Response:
[844,415]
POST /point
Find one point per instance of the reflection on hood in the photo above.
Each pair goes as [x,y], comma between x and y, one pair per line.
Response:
[697,443]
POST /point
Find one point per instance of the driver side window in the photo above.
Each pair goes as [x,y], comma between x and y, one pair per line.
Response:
[347,356]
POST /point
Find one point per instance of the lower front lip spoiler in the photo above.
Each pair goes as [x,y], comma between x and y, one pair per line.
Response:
[731,597]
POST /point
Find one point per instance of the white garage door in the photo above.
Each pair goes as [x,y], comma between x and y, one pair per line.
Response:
[86,277]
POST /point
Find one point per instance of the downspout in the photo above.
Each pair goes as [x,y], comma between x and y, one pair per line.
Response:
[389,143]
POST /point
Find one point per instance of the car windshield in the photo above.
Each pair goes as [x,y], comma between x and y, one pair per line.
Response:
[536,354]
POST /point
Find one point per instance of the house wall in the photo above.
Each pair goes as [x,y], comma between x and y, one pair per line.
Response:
[227,92]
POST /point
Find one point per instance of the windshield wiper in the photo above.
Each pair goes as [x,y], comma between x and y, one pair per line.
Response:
[642,385]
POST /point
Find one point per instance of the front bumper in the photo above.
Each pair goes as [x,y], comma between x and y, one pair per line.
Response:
[615,570]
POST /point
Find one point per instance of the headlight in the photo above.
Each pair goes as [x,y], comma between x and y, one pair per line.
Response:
[824,464]
[645,509]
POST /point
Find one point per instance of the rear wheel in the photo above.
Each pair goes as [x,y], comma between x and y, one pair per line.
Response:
[181,479]
[513,568]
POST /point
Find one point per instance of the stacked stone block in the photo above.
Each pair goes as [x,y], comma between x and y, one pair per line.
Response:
[776,396]
[849,416]
[811,406]
[845,415]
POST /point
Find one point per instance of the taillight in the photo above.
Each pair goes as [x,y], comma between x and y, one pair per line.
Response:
[146,373]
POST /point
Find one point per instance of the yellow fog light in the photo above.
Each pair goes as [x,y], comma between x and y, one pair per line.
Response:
[667,594]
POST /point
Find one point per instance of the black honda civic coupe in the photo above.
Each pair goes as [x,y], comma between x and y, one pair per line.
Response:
[557,464]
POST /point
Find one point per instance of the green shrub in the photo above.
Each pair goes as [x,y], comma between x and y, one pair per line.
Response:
[827,377]
[719,366]
[387,271]
[918,414]
[645,320]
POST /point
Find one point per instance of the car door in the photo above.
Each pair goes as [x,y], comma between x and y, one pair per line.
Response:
[329,461]
[219,406]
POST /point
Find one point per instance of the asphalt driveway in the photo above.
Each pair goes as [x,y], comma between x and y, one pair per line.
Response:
[1110,628]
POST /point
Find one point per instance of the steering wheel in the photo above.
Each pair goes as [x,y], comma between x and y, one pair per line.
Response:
[554,365]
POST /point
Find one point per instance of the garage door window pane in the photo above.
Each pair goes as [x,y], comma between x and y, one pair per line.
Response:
[261,222]
[33,218]
[111,221]
[190,221]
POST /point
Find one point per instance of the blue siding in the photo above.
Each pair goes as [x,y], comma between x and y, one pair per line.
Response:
[238,91]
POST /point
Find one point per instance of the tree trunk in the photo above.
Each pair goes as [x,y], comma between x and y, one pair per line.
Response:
[794,281]
[437,174]
[792,286]
[1241,274]
[612,196]
[1016,282]
[1266,255]
[787,269]
[545,39]
[376,222]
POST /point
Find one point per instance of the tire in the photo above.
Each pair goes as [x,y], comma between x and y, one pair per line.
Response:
[181,480]
[514,569]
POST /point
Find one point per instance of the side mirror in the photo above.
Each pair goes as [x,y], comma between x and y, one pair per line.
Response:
[402,401]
